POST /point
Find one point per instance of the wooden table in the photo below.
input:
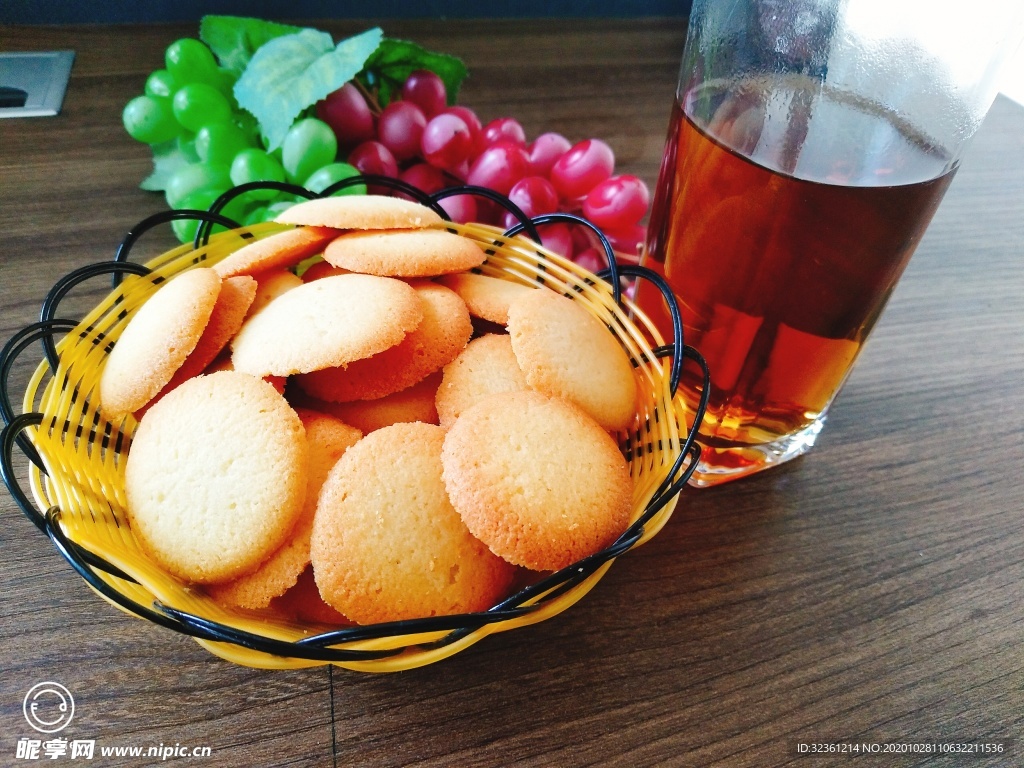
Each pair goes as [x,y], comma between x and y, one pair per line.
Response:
[869,592]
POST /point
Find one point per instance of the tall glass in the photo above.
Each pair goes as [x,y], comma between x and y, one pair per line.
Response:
[810,144]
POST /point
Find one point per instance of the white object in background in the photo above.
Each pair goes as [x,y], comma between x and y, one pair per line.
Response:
[34,82]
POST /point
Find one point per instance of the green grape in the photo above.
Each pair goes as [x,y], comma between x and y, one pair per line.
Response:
[256,165]
[214,177]
[220,142]
[161,83]
[256,216]
[322,178]
[201,200]
[190,61]
[308,145]
[198,104]
[187,146]
[150,119]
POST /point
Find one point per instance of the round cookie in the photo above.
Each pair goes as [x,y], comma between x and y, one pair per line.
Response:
[487,366]
[276,251]
[487,297]
[327,439]
[233,302]
[416,253]
[328,322]
[156,341]
[436,341]
[567,352]
[360,212]
[536,479]
[270,285]
[216,477]
[387,544]
[413,404]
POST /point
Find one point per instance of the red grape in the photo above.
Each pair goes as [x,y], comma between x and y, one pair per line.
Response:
[545,150]
[557,238]
[426,90]
[372,157]
[617,202]
[583,167]
[535,195]
[626,242]
[461,208]
[446,141]
[473,122]
[504,129]
[499,167]
[348,114]
[424,177]
[592,259]
[400,127]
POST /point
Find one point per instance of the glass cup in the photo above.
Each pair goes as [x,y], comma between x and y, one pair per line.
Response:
[810,144]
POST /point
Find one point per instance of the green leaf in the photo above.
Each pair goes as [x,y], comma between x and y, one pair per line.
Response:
[167,159]
[234,39]
[395,60]
[291,73]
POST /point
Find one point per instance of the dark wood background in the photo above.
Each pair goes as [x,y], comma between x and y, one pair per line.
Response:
[868,592]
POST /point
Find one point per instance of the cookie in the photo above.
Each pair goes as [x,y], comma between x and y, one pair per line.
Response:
[415,253]
[276,251]
[216,477]
[487,366]
[270,285]
[233,302]
[442,334]
[328,322]
[487,297]
[536,479]
[413,404]
[155,342]
[565,351]
[387,544]
[327,439]
[361,212]
[321,269]
[303,603]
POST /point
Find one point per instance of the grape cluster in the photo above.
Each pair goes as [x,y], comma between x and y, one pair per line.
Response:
[190,105]
[417,137]
[423,141]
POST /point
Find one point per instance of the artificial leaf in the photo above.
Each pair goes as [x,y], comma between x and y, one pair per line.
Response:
[168,158]
[394,60]
[291,73]
[234,39]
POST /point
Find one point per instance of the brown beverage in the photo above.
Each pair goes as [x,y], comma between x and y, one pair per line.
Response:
[783,219]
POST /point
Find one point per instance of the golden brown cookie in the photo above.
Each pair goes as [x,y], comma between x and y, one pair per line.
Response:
[303,603]
[328,322]
[487,366]
[536,479]
[404,253]
[487,297]
[436,341]
[162,333]
[413,404]
[321,269]
[565,351]
[387,544]
[216,477]
[277,251]
[361,212]
[270,285]
[327,439]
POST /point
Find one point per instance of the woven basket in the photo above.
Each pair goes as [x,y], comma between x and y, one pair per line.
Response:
[76,461]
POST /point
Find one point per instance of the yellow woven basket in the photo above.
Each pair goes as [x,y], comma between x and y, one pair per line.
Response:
[76,465]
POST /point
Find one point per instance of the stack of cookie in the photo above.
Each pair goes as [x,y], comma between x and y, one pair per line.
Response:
[417,435]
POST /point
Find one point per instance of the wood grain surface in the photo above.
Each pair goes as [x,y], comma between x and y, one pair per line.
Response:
[869,592]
